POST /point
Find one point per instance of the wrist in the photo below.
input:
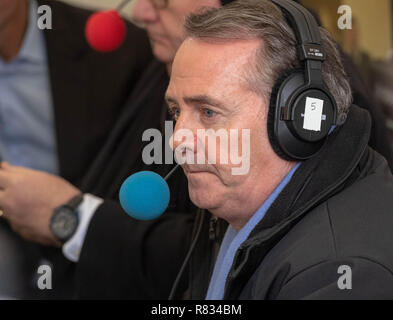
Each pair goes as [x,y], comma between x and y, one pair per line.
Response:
[65,220]
[86,211]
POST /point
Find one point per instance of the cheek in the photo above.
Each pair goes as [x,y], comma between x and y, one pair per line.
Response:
[210,191]
[176,38]
[259,140]
[224,179]
[163,51]
[173,26]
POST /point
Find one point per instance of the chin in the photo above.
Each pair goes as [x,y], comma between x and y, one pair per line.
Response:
[204,197]
[205,190]
[162,53]
[203,201]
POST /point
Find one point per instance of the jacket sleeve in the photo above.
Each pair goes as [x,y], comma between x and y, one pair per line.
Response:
[350,279]
[125,258]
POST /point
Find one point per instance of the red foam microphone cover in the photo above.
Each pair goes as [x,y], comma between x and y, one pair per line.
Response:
[105,30]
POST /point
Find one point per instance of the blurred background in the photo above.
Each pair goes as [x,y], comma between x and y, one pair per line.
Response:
[368,43]
[101,4]
[372,28]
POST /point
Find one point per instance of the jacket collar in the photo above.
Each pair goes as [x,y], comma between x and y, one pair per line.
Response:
[72,44]
[67,51]
[315,181]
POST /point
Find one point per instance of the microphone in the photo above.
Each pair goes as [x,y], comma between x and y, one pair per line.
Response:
[145,195]
[105,31]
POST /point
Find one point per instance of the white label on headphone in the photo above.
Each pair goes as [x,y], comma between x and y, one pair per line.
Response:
[313,114]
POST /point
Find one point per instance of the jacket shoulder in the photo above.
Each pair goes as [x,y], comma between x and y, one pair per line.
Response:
[361,217]
[352,228]
[356,222]
[348,279]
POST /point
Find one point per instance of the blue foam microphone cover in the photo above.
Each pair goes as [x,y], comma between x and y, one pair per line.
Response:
[144,195]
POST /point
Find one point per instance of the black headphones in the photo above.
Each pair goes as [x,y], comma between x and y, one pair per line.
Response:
[302,110]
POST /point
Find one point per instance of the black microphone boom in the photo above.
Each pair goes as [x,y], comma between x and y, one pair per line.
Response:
[171,172]
[187,258]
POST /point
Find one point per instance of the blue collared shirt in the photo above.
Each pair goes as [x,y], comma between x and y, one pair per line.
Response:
[27,133]
[233,239]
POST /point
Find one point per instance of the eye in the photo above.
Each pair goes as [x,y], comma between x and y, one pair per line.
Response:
[208,113]
[174,112]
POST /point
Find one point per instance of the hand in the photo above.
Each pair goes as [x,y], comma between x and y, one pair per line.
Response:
[28,199]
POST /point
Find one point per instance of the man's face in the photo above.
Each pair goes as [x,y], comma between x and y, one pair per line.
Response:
[7,11]
[164,19]
[208,91]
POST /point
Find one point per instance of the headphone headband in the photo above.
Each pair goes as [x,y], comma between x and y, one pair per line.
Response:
[302,110]
[302,21]
[307,33]
[224,2]
[298,99]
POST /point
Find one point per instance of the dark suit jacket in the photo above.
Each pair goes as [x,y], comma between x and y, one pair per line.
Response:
[89,88]
[89,91]
[122,257]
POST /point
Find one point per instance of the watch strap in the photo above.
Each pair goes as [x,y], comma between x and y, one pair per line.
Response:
[75,202]
[72,205]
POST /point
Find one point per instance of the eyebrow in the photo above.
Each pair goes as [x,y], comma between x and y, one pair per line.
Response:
[203,99]
[170,100]
[199,99]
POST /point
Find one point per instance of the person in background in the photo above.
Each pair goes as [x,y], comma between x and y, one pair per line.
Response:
[59,100]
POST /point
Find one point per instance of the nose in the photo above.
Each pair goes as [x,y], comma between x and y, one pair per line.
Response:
[184,139]
[143,12]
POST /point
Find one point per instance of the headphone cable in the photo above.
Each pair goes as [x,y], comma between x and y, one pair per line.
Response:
[187,258]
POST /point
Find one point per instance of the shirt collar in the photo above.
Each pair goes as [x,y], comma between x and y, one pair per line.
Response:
[33,46]
[233,240]
[258,216]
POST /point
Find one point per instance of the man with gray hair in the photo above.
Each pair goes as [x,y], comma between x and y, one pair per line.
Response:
[312,217]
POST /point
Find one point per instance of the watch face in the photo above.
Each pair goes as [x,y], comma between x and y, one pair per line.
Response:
[64,223]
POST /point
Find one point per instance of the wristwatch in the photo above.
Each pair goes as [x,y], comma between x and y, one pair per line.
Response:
[64,221]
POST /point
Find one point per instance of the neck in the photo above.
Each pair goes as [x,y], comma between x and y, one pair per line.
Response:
[254,197]
[13,31]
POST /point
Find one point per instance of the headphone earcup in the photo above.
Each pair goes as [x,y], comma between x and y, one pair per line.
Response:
[291,139]
[271,117]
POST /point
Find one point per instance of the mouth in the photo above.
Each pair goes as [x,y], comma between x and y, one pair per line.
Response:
[155,37]
[190,173]
[194,169]
[197,173]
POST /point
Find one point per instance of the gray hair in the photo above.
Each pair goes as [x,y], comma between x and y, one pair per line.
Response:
[261,19]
